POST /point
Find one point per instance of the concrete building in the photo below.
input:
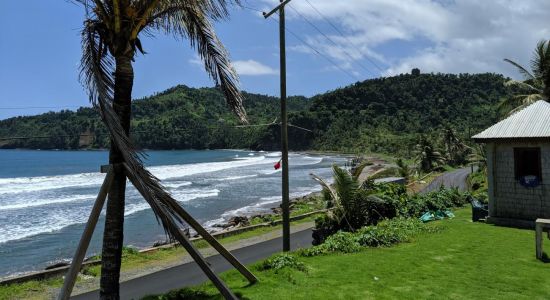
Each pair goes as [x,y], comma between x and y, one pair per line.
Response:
[518,166]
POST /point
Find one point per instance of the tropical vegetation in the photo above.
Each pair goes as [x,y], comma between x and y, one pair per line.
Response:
[536,83]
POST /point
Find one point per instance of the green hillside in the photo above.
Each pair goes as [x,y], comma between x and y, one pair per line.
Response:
[379,115]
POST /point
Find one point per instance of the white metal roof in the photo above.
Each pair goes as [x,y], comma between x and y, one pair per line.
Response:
[532,121]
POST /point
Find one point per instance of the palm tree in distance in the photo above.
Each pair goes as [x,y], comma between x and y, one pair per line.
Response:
[426,156]
[110,43]
[536,85]
[454,147]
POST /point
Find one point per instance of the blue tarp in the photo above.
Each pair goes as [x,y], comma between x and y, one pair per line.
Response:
[436,215]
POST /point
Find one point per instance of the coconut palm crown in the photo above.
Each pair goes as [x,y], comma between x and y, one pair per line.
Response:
[110,44]
[536,83]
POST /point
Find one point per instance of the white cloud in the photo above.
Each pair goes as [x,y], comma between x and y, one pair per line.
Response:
[434,35]
[243,67]
[253,68]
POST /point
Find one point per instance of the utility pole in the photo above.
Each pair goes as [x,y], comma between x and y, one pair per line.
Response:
[284,121]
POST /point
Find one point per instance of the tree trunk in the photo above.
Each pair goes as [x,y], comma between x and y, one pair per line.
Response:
[113,236]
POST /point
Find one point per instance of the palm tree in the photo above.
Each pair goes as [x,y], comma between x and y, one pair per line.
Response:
[110,43]
[342,196]
[454,147]
[427,157]
[403,169]
[536,85]
[478,157]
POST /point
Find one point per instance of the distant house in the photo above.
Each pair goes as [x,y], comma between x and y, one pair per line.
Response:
[518,166]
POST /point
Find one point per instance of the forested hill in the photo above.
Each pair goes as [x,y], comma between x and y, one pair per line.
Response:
[389,114]
[178,118]
[382,115]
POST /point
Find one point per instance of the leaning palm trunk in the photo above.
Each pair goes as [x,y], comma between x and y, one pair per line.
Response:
[113,235]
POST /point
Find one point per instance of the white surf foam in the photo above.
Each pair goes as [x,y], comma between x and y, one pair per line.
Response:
[41,183]
[176,184]
[236,177]
[177,171]
[181,196]
[38,202]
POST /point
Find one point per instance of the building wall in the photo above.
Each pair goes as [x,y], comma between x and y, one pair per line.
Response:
[509,198]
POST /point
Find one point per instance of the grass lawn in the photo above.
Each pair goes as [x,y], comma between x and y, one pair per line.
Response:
[464,260]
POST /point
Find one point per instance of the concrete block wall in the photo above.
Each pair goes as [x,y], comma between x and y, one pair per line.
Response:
[511,199]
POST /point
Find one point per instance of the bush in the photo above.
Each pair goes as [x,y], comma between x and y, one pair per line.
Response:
[389,232]
[386,233]
[343,242]
[399,203]
[281,261]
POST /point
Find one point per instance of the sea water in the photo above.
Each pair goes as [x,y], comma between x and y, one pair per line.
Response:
[46,196]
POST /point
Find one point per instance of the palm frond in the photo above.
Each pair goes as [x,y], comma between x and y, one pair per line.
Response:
[345,185]
[96,71]
[521,69]
[524,85]
[327,188]
[184,19]
[540,61]
[358,170]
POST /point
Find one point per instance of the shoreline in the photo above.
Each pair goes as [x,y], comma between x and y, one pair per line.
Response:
[265,214]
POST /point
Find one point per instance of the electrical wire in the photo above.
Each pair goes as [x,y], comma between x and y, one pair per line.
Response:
[332,41]
[308,45]
[343,35]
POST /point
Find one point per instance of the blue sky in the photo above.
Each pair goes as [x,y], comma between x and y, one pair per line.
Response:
[40,46]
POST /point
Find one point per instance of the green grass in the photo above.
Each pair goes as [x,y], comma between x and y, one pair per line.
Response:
[464,260]
[30,289]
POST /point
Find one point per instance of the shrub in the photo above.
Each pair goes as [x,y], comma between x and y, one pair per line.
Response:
[389,232]
[343,242]
[281,261]
[386,233]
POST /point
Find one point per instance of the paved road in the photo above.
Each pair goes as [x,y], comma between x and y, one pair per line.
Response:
[455,178]
[190,274]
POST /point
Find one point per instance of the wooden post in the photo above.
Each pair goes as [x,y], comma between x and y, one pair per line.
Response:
[538,240]
[203,264]
[184,241]
[78,258]
[215,244]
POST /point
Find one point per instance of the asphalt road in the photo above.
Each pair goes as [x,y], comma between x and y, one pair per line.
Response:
[190,274]
[455,178]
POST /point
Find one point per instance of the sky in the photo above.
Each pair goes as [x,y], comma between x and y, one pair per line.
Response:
[330,44]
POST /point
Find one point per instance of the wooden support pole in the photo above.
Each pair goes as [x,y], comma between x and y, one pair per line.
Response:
[184,241]
[203,264]
[214,243]
[78,258]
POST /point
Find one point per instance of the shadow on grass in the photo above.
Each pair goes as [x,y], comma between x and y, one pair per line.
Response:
[545,259]
[191,294]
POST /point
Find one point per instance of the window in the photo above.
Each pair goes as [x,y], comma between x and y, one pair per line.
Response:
[527,163]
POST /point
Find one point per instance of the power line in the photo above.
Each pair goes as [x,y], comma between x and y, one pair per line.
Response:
[41,107]
[309,46]
[343,35]
[332,41]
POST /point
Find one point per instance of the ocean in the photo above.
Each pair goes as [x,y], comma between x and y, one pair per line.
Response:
[46,196]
